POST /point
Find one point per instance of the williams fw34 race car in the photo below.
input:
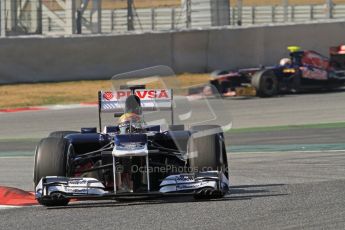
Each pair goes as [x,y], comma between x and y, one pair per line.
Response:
[131,158]
[304,70]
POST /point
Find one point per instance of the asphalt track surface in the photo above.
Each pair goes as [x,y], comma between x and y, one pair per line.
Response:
[290,190]
[270,190]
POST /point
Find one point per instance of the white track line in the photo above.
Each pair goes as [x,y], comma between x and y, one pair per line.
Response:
[9,157]
[292,151]
[3,207]
[53,107]
[72,106]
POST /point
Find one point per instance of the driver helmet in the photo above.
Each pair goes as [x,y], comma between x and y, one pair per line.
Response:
[132,105]
[131,120]
[285,62]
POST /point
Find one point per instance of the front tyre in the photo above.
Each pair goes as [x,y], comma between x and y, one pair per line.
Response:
[207,152]
[51,160]
[206,149]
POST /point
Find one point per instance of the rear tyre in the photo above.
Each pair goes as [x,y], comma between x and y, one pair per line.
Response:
[61,134]
[266,83]
[51,160]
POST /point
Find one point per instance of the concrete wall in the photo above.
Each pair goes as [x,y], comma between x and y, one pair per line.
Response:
[61,59]
[37,59]
[266,45]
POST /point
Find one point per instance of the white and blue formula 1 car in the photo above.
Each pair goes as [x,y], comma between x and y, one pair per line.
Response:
[131,159]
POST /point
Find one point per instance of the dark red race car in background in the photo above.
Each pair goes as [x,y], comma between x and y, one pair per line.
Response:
[304,70]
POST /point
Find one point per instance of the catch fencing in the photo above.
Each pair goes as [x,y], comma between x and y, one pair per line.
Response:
[61,17]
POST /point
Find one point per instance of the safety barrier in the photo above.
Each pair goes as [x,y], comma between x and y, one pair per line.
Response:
[46,59]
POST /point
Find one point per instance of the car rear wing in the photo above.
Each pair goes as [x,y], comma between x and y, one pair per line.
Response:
[150,99]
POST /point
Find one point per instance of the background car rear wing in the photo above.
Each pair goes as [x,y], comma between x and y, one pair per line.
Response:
[150,99]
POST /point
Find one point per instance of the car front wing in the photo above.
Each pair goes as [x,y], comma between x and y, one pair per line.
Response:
[210,184]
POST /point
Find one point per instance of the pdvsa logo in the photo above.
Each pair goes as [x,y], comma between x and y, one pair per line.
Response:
[142,94]
[108,95]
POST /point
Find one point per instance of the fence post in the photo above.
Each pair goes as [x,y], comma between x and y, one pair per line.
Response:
[79,21]
[292,13]
[153,18]
[36,16]
[253,14]
[173,12]
[49,24]
[239,12]
[70,17]
[273,16]
[96,16]
[189,13]
[2,19]
[39,17]
[286,10]
[311,12]
[11,13]
[329,8]
[130,16]
[233,16]
[113,15]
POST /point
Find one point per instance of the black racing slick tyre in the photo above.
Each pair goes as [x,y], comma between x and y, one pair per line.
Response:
[206,149]
[61,134]
[51,160]
[266,83]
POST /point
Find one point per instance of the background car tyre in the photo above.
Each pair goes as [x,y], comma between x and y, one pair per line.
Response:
[51,160]
[265,82]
